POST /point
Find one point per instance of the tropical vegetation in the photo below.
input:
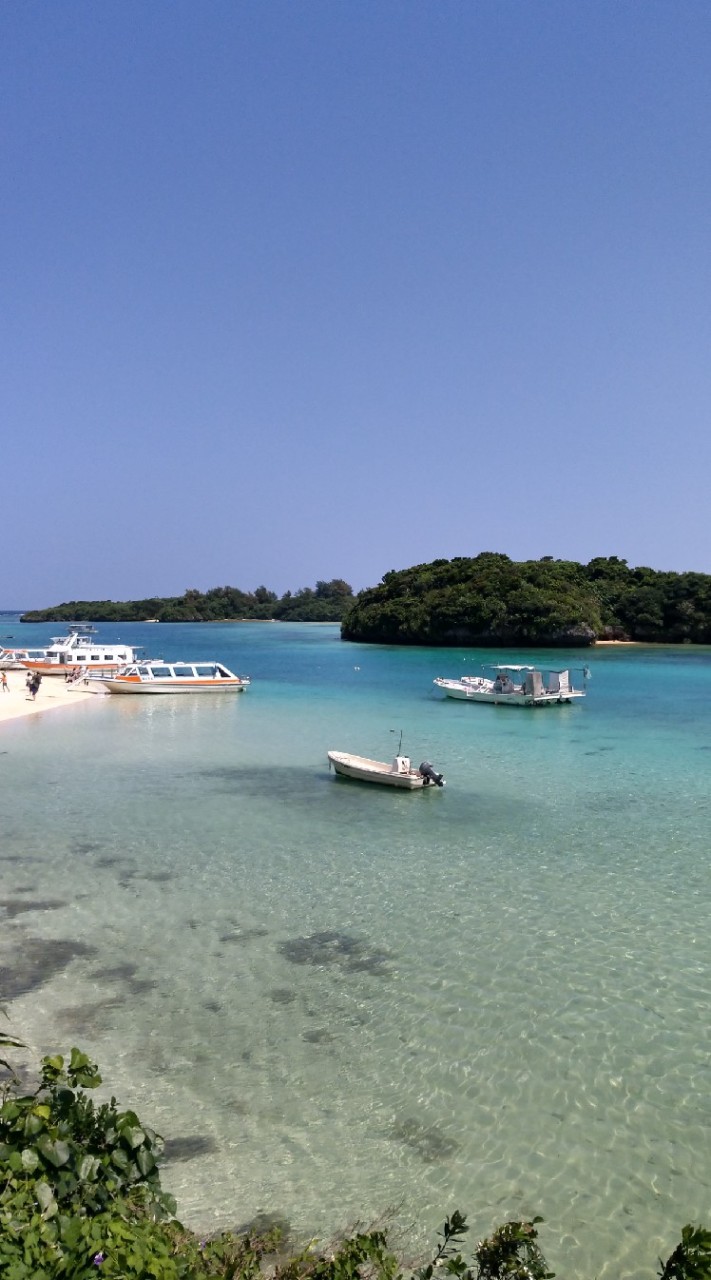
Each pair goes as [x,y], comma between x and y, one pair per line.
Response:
[487,600]
[80,1196]
[490,600]
[326,602]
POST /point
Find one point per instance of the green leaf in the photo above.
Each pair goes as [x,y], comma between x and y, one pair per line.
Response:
[56,1152]
[30,1159]
[88,1167]
[46,1199]
[145,1161]
[135,1137]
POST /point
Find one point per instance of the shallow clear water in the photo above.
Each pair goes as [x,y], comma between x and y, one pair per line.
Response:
[493,997]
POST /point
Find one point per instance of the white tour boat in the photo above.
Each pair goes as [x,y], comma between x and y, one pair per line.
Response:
[174,677]
[80,651]
[13,659]
[508,685]
[399,773]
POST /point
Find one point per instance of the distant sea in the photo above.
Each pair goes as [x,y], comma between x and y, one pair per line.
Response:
[337,999]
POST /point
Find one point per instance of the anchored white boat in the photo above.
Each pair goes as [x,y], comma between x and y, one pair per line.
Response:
[516,686]
[80,651]
[175,677]
[399,773]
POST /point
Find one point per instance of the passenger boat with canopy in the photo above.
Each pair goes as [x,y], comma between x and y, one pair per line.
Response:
[509,685]
[174,677]
[13,659]
[80,652]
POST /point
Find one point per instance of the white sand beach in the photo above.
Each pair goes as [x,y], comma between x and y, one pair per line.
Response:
[53,692]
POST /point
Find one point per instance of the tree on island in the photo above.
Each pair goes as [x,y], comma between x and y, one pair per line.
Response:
[326,603]
[490,600]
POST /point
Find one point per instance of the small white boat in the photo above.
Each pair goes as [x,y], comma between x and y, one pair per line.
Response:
[80,651]
[174,677]
[399,773]
[509,685]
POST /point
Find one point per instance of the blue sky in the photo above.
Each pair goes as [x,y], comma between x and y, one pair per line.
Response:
[301,289]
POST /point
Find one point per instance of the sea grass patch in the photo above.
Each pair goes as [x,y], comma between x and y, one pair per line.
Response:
[37,961]
[18,906]
[427,1141]
[189,1147]
[90,1018]
[282,995]
[340,950]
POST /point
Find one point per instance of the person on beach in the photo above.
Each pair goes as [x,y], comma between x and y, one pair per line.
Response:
[3,682]
[35,684]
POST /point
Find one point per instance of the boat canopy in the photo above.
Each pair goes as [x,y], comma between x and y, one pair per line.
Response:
[511,666]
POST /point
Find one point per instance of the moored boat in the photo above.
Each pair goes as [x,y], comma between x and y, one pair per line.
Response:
[80,651]
[513,685]
[14,659]
[399,773]
[174,677]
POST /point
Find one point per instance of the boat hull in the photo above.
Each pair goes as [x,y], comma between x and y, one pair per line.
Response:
[516,699]
[173,686]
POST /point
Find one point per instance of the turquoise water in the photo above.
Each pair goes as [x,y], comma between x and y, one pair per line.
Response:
[493,997]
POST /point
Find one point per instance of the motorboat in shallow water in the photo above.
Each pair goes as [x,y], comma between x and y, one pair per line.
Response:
[174,677]
[516,686]
[399,773]
[80,652]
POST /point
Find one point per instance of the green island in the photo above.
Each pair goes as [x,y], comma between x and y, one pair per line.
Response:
[490,600]
[80,1196]
[486,600]
[326,602]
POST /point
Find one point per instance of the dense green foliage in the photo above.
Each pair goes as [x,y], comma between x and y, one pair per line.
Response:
[80,1196]
[486,600]
[491,600]
[326,602]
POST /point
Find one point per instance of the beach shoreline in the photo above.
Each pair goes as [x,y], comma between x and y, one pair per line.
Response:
[16,703]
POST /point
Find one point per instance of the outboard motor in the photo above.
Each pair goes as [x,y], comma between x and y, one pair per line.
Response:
[429,773]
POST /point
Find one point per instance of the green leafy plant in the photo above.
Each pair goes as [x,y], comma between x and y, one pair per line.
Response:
[8,1042]
[73,1153]
[71,1173]
[691,1260]
[511,1252]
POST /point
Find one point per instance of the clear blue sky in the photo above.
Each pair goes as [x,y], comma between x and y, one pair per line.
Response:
[301,289]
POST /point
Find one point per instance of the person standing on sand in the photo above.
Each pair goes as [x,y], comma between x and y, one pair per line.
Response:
[3,682]
[35,684]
